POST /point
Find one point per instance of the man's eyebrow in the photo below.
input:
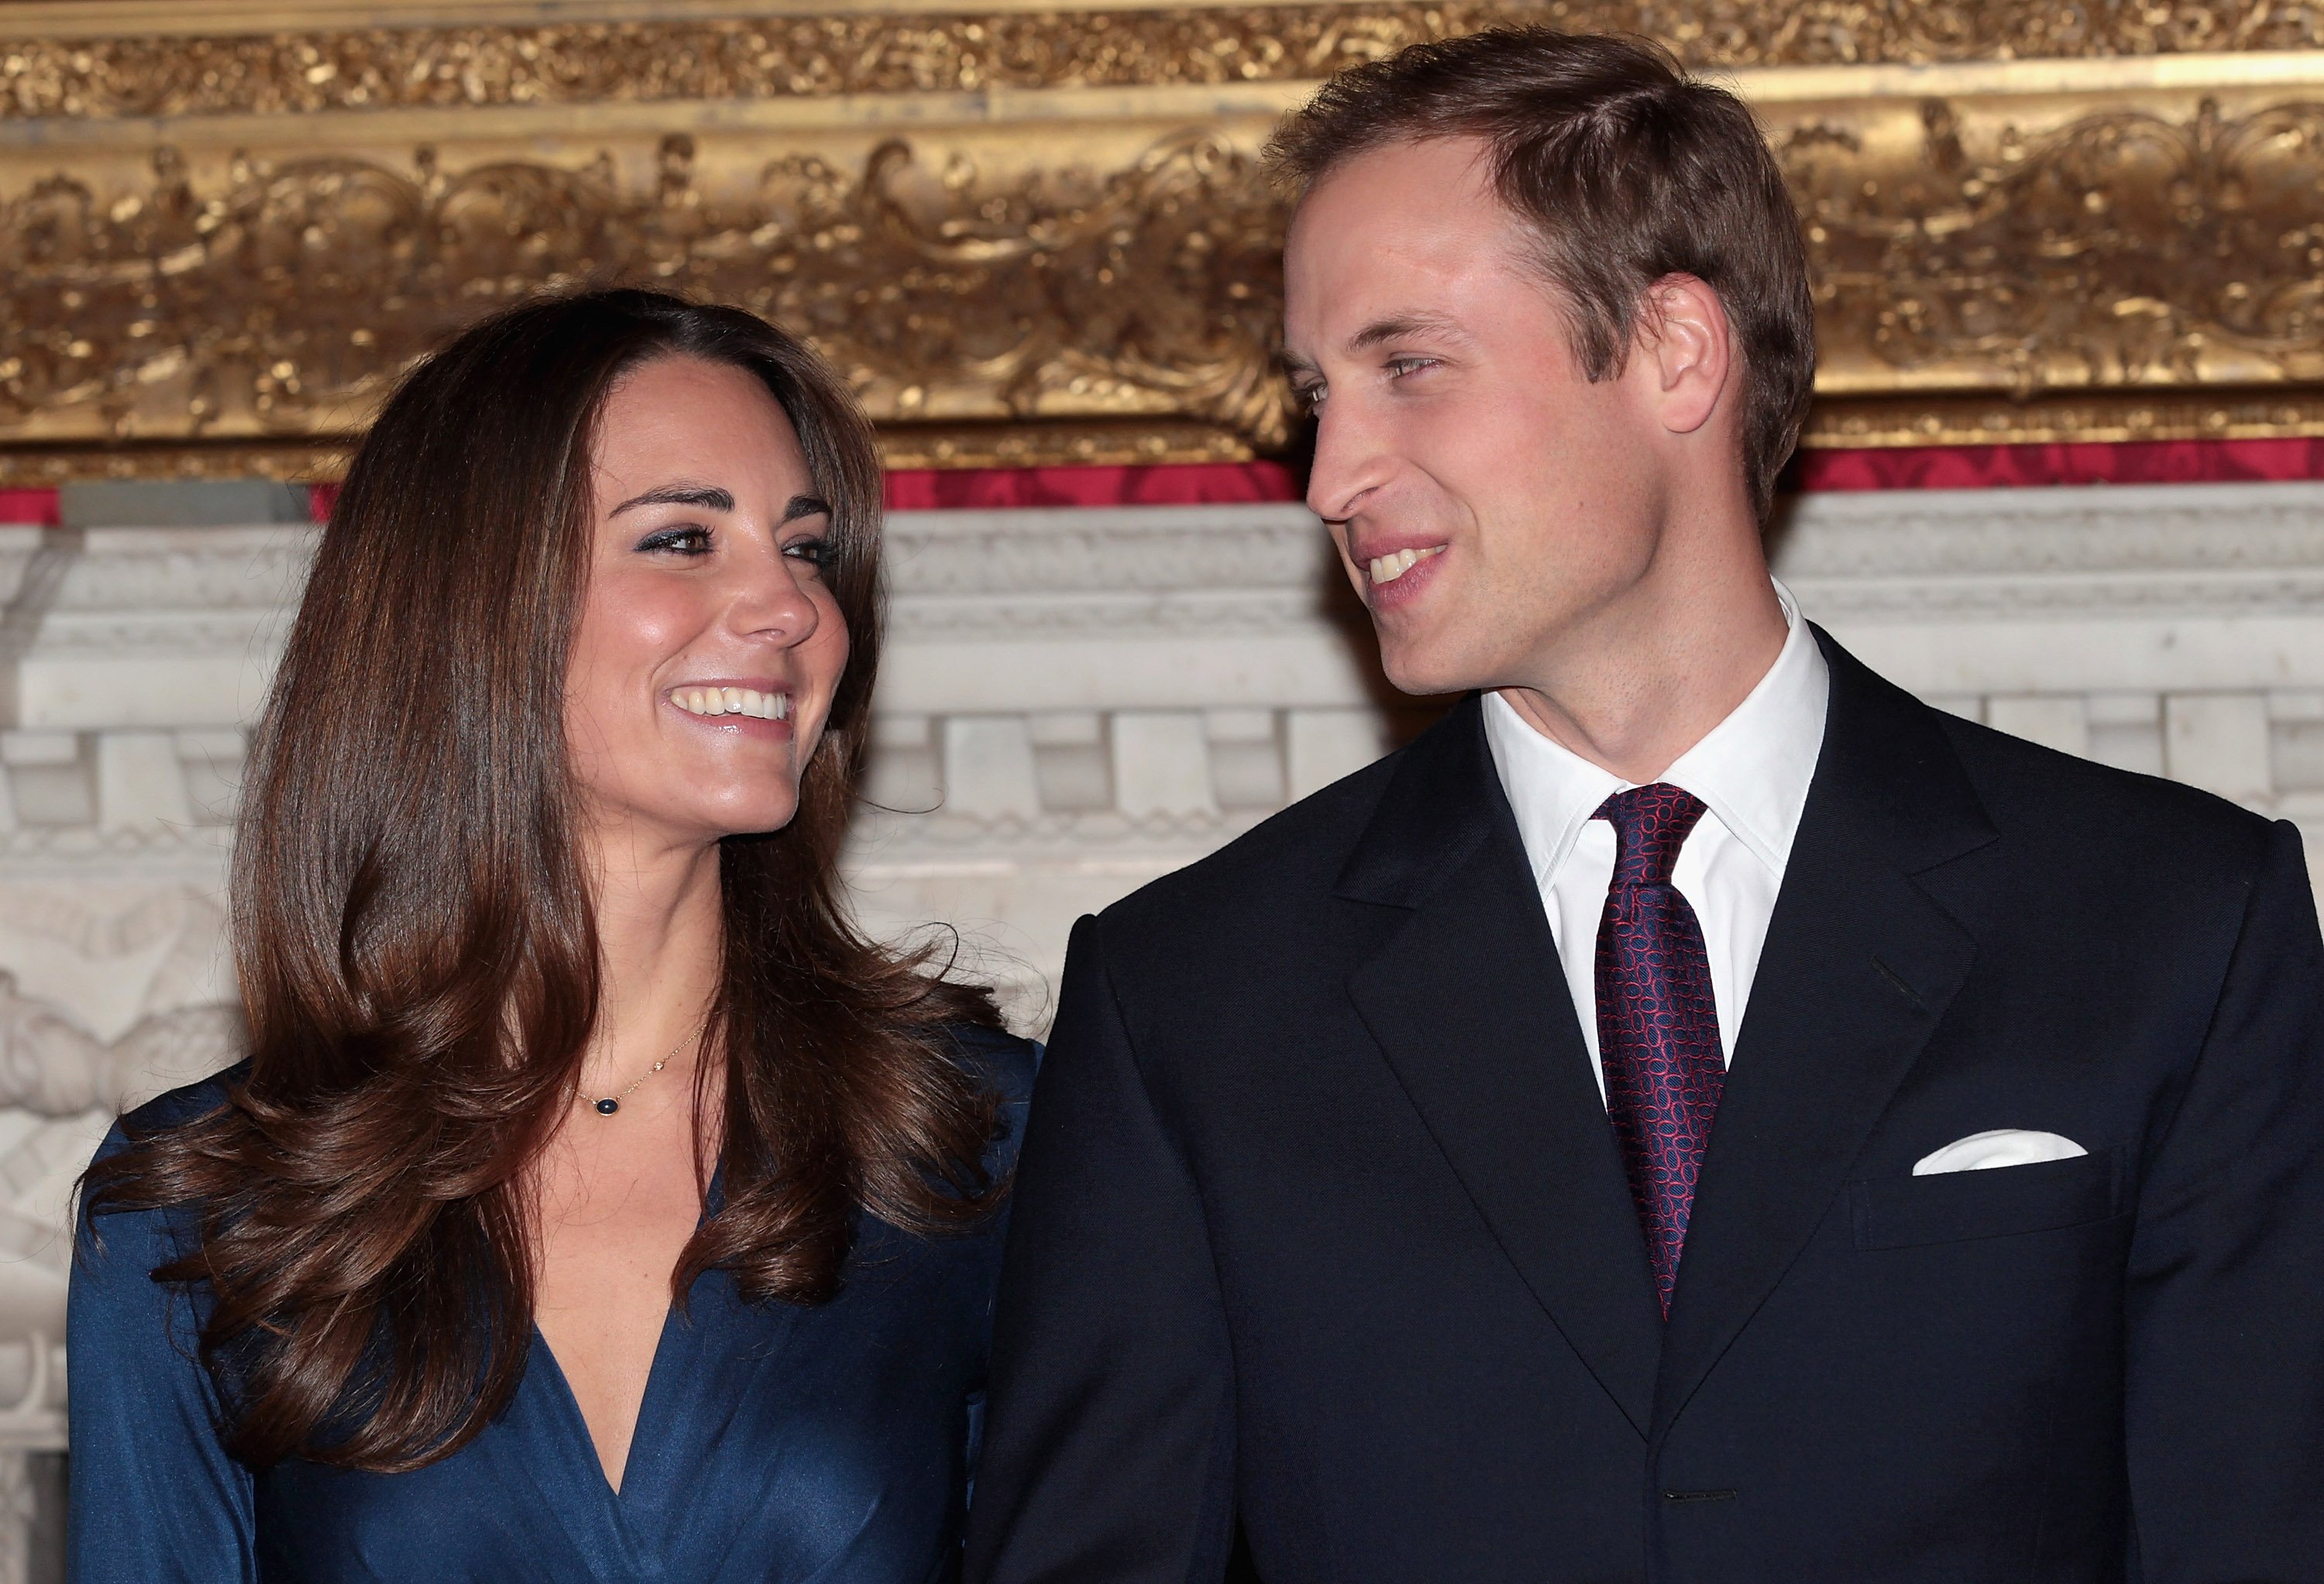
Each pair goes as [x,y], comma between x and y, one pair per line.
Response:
[1396,326]
[709,497]
[1295,366]
[805,506]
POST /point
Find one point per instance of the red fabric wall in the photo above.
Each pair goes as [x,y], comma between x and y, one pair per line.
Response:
[1932,467]
[2141,462]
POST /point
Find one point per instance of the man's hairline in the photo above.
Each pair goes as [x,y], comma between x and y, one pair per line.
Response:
[1531,254]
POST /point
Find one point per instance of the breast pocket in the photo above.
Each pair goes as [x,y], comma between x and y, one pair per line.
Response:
[2001,1201]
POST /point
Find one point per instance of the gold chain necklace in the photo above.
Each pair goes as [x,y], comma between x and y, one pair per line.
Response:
[609,1104]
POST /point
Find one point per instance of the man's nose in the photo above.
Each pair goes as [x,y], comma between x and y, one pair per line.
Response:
[1352,461]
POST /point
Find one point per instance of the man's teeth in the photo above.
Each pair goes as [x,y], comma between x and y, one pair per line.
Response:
[1388,569]
[733,701]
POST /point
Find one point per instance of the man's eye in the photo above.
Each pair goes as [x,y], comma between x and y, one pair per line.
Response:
[683,541]
[814,552]
[1398,367]
[1307,398]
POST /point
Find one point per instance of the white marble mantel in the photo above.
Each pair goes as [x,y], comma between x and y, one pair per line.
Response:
[1072,701]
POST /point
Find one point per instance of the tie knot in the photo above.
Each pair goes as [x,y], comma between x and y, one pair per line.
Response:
[1650,825]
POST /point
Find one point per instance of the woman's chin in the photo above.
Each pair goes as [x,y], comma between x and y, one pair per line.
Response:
[761,821]
[695,825]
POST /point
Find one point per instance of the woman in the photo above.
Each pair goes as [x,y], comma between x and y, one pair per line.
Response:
[594,1203]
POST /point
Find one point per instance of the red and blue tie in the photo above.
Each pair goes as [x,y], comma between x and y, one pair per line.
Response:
[1657,1025]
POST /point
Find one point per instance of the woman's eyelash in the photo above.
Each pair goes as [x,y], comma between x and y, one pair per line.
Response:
[695,540]
[692,540]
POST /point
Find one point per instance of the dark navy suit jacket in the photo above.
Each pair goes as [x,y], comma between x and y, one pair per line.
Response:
[1322,1247]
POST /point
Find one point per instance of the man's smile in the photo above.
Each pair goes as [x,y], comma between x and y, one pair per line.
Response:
[1389,568]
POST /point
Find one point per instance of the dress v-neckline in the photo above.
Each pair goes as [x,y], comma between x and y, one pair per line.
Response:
[569,1413]
[577,1423]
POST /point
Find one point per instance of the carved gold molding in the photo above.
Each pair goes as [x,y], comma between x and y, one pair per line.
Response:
[1048,240]
[955,275]
[287,59]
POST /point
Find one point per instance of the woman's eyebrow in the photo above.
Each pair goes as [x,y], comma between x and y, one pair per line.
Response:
[708,497]
[805,506]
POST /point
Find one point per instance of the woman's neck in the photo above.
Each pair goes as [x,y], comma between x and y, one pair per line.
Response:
[661,948]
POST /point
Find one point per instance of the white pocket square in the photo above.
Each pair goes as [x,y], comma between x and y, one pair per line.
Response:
[2003,1146]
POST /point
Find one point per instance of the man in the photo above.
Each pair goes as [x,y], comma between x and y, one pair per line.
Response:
[1696,1114]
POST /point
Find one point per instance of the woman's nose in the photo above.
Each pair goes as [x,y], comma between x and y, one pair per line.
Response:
[775,603]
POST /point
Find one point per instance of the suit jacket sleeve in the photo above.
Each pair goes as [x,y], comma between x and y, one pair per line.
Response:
[2225,1315]
[1110,1441]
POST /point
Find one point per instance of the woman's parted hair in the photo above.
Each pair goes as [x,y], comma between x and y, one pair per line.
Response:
[415,940]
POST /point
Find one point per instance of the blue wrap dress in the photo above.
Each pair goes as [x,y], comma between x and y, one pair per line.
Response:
[776,1441]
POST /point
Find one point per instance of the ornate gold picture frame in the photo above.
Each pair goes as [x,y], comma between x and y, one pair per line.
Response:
[1034,234]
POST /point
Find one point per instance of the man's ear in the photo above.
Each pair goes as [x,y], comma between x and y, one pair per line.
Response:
[1688,340]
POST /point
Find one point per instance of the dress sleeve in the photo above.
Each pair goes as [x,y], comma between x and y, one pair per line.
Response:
[155,1497]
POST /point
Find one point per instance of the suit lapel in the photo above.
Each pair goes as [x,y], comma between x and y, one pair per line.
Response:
[1859,967]
[1469,1005]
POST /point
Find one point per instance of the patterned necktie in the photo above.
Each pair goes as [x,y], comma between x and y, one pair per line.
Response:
[1657,1025]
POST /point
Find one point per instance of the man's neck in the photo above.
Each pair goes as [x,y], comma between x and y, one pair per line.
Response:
[1630,693]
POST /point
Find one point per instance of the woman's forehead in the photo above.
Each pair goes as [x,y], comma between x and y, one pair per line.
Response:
[712,425]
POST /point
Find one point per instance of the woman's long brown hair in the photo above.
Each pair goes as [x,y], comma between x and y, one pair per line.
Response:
[414,936]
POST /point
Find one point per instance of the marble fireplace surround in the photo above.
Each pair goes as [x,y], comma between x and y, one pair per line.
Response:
[1073,701]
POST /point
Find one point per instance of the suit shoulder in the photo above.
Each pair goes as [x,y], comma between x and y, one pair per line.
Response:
[2104,810]
[1297,850]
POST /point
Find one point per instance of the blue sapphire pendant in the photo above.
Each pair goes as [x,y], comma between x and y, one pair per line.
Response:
[608,1106]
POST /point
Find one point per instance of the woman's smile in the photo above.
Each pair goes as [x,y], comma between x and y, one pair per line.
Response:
[758,708]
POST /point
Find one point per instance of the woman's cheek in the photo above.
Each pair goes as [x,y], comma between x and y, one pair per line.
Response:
[830,668]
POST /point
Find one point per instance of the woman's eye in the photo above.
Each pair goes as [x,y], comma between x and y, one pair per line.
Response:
[814,552]
[683,541]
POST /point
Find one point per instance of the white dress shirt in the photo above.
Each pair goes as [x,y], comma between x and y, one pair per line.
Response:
[1751,772]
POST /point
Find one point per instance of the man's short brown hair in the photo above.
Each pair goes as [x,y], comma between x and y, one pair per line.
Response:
[1628,170]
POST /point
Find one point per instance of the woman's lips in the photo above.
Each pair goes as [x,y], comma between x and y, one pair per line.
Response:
[712,701]
[736,709]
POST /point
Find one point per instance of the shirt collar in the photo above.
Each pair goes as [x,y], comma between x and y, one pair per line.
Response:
[1752,769]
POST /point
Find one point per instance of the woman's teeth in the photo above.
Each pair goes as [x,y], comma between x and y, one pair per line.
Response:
[1388,569]
[733,701]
